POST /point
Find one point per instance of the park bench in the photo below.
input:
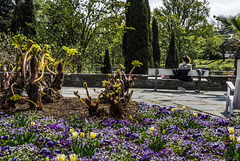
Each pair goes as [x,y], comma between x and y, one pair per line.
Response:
[233,100]
[197,77]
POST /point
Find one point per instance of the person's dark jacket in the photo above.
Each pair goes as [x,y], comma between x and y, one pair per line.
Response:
[181,74]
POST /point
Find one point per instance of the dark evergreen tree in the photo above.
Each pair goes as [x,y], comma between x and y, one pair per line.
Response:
[155,44]
[150,47]
[23,15]
[136,41]
[106,67]
[172,60]
[6,8]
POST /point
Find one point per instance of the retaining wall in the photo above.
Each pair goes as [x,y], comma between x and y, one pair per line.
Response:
[214,83]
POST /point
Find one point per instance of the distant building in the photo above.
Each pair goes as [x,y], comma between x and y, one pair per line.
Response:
[230,48]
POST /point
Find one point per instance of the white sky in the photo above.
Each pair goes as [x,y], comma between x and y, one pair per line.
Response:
[217,7]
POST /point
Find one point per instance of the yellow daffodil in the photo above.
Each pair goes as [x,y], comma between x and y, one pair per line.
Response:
[136,122]
[74,134]
[152,128]
[73,157]
[82,135]
[231,130]
[93,135]
[183,107]
[238,140]
[232,137]
[46,159]
[163,131]
[32,123]
[195,114]
[71,130]
[61,157]
[130,117]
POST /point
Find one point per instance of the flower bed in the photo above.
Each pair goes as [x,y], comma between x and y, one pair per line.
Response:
[159,133]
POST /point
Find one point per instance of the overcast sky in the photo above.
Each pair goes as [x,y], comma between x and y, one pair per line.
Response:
[218,7]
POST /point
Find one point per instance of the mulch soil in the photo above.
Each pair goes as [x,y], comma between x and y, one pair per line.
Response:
[68,107]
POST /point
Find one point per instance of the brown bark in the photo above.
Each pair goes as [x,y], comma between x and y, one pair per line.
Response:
[33,94]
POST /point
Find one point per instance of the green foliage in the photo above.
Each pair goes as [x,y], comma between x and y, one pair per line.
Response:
[188,20]
[15,97]
[29,136]
[21,120]
[106,67]
[70,52]
[158,143]
[17,41]
[35,48]
[74,122]
[85,149]
[136,41]
[136,63]
[88,26]
[230,23]
[215,65]
[232,152]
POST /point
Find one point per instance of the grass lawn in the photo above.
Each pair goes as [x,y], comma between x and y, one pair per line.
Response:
[215,65]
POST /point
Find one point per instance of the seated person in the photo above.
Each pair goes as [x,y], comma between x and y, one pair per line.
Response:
[185,65]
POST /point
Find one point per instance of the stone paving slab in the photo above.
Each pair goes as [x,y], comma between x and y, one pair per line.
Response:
[211,102]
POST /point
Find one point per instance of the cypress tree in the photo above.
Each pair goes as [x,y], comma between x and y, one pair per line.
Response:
[172,60]
[23,13]
[136,41]
[150,47]
[106,68]
[6,8]
[155,44]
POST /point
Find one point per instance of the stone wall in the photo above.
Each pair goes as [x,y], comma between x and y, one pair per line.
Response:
[213,83]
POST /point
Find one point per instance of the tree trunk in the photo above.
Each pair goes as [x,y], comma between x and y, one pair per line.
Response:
[79,64]
[118,110]
[33,94]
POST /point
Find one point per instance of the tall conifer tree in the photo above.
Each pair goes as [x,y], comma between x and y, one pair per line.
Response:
[172,60]
[23,13]
[136,41]
[106,68]
[155,44]
[6,8]
[150,47]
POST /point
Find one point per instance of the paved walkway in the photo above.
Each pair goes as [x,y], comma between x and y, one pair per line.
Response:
[211,102]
